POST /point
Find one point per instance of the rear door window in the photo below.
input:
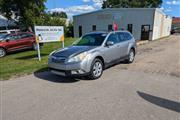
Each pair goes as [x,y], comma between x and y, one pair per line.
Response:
[127,36]
[121,36]
[12,37]
[124,36]
[114,38]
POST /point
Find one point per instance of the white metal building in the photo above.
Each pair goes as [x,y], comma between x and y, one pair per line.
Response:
[144,23]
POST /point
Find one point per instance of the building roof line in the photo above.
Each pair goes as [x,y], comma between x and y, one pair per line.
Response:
[111,9]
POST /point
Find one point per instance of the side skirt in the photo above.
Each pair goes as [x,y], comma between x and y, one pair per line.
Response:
[107,65]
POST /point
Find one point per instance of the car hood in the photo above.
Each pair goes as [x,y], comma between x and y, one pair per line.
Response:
[72,51]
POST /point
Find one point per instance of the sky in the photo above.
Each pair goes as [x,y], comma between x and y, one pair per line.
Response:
[74,7]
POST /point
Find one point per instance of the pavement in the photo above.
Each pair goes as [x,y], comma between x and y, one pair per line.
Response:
[148,89]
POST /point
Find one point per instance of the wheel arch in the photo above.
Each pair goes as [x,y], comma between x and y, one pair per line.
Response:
[3,48]
[101,58]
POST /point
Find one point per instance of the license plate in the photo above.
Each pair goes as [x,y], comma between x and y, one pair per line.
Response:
[58,73]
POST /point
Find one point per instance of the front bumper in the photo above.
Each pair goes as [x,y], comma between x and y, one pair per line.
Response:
[70,69]
[67,73]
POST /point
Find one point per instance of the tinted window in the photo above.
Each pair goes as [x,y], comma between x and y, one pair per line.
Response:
[114,38]
[94,27]
[13,37]
[26,35]
[80,31]
[124,36]
[110,27]
[127,36]
[91,40]
[130,27]
[121,36]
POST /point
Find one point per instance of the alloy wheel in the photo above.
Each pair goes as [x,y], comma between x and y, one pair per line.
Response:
[97,69]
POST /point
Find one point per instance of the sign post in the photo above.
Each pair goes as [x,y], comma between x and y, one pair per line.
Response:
[48,34]
[39,52]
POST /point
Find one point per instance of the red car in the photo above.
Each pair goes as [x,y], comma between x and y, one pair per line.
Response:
[14,42]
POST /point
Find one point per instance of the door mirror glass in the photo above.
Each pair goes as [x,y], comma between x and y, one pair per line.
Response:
[110,43]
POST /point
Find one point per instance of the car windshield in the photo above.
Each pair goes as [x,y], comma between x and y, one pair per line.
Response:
[91,40]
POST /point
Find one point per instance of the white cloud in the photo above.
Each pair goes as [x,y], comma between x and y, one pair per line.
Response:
[73,10]
[162,8]
[86,0]
[98,3]
[173,2]
[169,9]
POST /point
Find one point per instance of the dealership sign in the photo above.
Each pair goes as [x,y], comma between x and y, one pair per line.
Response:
[48,34]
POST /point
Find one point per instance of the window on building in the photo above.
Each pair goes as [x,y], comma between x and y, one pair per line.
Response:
[94,27]
[110,27]
[130,28]
[80,31]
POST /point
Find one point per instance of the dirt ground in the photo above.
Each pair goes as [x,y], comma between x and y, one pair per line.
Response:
[158,57]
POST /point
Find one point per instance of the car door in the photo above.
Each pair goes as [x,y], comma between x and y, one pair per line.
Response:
[12,42]
[123,44]
[25,40]
[111,52]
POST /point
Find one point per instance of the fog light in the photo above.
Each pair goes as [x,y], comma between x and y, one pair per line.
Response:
[80,71]
[74,72]
[77,72]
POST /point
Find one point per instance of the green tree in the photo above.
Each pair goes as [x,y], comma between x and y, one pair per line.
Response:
[27,12]
[132,3]
[59,14]
[69,30]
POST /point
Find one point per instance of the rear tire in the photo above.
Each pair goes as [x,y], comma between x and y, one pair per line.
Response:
[2,52]
[131,56]
[96,69]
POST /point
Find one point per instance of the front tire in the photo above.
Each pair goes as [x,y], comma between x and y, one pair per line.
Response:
[2,52]
[96,69]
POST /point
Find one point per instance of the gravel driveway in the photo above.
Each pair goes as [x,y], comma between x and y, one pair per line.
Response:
[148,89]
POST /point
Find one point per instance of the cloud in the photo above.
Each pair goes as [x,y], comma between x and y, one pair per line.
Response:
[86,0]
[73,10]
[162,8]
[169,9]
[97,3]
[173,2]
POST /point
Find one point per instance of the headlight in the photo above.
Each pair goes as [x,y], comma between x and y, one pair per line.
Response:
[78,58]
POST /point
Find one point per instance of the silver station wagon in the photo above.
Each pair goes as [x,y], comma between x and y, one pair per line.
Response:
[92,53]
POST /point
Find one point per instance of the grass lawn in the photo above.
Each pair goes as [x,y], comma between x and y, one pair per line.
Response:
[26,62]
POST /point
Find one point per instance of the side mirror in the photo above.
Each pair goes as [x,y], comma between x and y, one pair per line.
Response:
[109,43]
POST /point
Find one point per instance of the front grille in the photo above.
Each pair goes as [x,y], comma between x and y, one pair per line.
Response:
[58,59]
